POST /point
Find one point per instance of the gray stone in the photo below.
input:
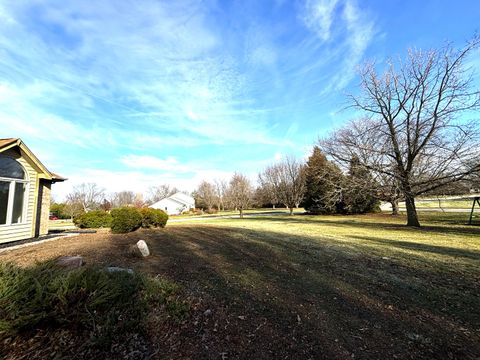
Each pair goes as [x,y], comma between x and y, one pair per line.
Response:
[70,262]
[111,269]
[142,246]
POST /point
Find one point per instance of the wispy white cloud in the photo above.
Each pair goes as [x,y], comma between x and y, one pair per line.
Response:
[350,30]
[319,16]
[151,162]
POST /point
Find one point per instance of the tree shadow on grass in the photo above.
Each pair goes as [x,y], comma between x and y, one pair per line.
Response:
[411,245]
[276,296]
[381,224]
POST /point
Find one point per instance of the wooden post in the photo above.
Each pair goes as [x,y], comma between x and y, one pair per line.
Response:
[477,200]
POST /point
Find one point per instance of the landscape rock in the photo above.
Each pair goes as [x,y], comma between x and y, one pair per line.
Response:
[70,262]
[118,269]
[142,246]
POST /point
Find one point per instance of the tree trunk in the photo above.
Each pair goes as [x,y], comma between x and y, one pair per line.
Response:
[412,217]
[395,209]
[241,213]
[291,210]
[273,206]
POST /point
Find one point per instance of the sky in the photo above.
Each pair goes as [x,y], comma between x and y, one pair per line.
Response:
[133,94]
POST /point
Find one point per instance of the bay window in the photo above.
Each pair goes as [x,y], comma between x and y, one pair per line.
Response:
[13,186]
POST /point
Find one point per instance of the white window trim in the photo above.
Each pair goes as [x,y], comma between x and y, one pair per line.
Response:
[11,194]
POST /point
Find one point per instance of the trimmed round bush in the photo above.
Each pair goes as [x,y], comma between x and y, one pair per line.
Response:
[153,217]
[125,219]
[93,219]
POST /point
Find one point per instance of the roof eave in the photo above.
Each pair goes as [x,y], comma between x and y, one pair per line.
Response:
[45,173]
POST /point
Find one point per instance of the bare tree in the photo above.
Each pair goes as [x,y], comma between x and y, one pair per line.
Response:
[206,194]
[138,200]
[122,198]
[157,193]
[266,193]
[73,208]
[88,196]
[240,192]
[415,112]
[287,181]
[221,187]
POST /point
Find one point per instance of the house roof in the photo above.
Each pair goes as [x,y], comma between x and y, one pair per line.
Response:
[169,199]
[179,198]
[9,143]
[6,142]
[183,198]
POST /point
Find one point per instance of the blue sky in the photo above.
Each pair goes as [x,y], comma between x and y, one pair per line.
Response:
[131,94]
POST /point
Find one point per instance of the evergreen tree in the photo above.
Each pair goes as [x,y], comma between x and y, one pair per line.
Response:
[359,192]
[324,185]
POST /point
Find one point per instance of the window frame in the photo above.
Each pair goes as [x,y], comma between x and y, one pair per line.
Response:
[11,196]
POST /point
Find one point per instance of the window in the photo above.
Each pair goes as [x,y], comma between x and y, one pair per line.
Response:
[4,190]
[13,186]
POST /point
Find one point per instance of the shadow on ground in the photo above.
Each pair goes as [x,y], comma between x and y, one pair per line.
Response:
[277,296]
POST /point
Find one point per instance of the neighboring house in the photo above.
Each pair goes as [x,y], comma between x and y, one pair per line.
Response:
[25,185]
[175,204]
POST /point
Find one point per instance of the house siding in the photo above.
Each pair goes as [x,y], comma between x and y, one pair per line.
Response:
[24,230]
[171,207]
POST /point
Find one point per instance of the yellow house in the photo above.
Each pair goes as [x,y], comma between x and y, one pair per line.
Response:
[25,185]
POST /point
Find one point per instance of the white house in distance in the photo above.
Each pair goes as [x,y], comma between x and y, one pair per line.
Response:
[175,204]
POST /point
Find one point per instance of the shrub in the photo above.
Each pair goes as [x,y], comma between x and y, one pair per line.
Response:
[60,210]
[93,219]
[45,295]
[48,297]
[153,218]
[125,219]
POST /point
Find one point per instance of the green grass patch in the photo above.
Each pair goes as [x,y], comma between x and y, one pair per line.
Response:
[236,212]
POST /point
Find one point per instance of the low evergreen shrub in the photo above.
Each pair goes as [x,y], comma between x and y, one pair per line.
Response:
[153,218]
[48,297]
[93,219]
[125,219]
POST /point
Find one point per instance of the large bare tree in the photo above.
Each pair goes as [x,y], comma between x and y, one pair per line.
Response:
[240,193]
[206,194]
[420,113]
[87,196]
[287,180]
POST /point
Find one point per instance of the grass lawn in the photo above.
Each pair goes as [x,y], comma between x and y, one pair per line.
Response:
[446,204]
[236,212]
[441,204]
[333,287]
[66,224]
